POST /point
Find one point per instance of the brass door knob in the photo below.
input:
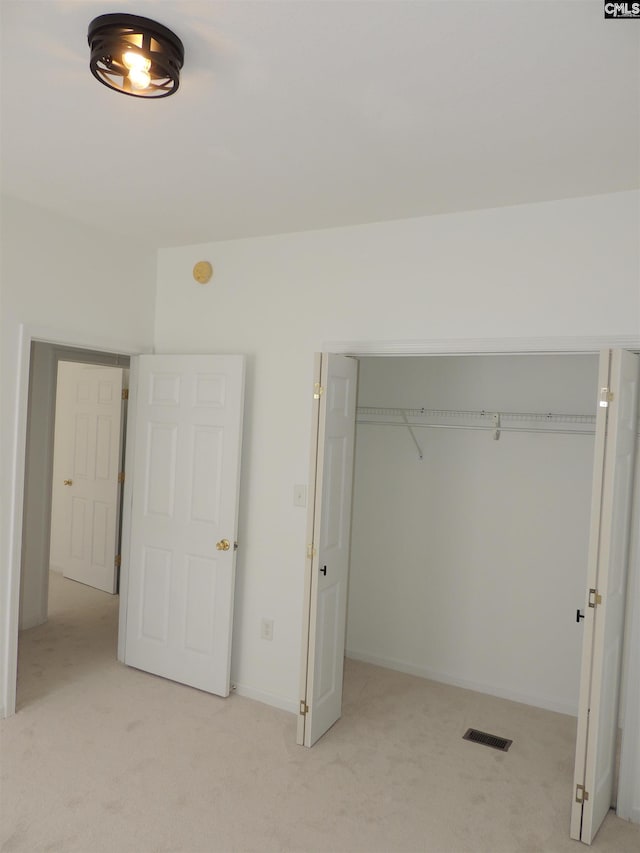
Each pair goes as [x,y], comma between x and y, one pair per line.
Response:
[223,545]
[68,482]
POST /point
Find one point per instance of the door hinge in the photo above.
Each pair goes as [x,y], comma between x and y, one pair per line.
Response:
[121,477]
[318,391]
[118,560]
[311,551]
[581,795]
[304,708]
[606,397]
[125,393]
[594,598]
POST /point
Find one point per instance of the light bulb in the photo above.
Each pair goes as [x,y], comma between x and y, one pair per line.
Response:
[136,62]
[139,78]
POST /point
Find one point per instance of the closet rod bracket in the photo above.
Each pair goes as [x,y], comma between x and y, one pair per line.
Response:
[413,435]
[496,426]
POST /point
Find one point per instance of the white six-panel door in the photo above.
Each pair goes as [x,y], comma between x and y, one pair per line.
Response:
[181,565]
[328,562]
[616,427]
[86,492]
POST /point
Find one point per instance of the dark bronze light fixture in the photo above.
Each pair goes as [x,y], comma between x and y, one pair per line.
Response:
[135,56]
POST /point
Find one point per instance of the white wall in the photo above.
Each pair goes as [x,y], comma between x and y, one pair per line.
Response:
[62,276]
[460,558]
[567,268]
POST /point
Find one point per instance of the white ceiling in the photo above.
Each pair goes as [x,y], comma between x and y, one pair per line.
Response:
[312,113]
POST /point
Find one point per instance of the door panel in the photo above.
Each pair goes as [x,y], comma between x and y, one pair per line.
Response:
[328,630]
[184,501]
[605,607]
[86,491]
[201,587]
[332,454]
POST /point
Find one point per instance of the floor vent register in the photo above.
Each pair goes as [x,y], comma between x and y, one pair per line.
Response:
[486,739]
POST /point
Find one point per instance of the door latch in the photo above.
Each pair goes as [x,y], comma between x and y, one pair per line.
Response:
[594,598]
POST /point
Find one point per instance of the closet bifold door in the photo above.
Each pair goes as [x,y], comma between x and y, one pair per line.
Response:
[616,428]
[328,532]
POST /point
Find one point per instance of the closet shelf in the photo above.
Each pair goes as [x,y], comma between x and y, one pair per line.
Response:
[366,412]
[496,421]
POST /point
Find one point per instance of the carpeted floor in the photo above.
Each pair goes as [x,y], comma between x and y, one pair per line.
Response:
[101,758]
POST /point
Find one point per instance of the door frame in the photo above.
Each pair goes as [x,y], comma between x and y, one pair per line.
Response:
[630,679]
[27,335]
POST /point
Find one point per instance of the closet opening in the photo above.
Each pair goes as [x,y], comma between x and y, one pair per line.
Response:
[471,525]
[470,521]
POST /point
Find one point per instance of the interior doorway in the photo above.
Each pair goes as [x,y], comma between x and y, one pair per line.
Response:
[39,461]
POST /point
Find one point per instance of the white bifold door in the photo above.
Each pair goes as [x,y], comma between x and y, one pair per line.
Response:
[184,507]
[329,532]
[616,429]
[85,499]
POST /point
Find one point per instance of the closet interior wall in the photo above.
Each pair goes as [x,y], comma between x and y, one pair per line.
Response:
[468,565]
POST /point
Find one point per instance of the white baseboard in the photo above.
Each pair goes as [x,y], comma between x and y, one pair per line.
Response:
[545,702]
[290,705]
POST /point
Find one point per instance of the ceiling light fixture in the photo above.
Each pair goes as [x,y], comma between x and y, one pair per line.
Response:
[135,56]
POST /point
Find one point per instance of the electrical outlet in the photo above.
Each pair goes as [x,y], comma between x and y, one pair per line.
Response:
[266,629]
[300,495]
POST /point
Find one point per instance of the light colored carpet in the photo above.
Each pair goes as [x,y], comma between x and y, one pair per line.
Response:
[101,757]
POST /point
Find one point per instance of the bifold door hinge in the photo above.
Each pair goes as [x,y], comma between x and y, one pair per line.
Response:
[594,598]
[606,397]
[121,477]
[318,391]
[125,393]
[311,551]
[118,561]
[304,708]
[581,795]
